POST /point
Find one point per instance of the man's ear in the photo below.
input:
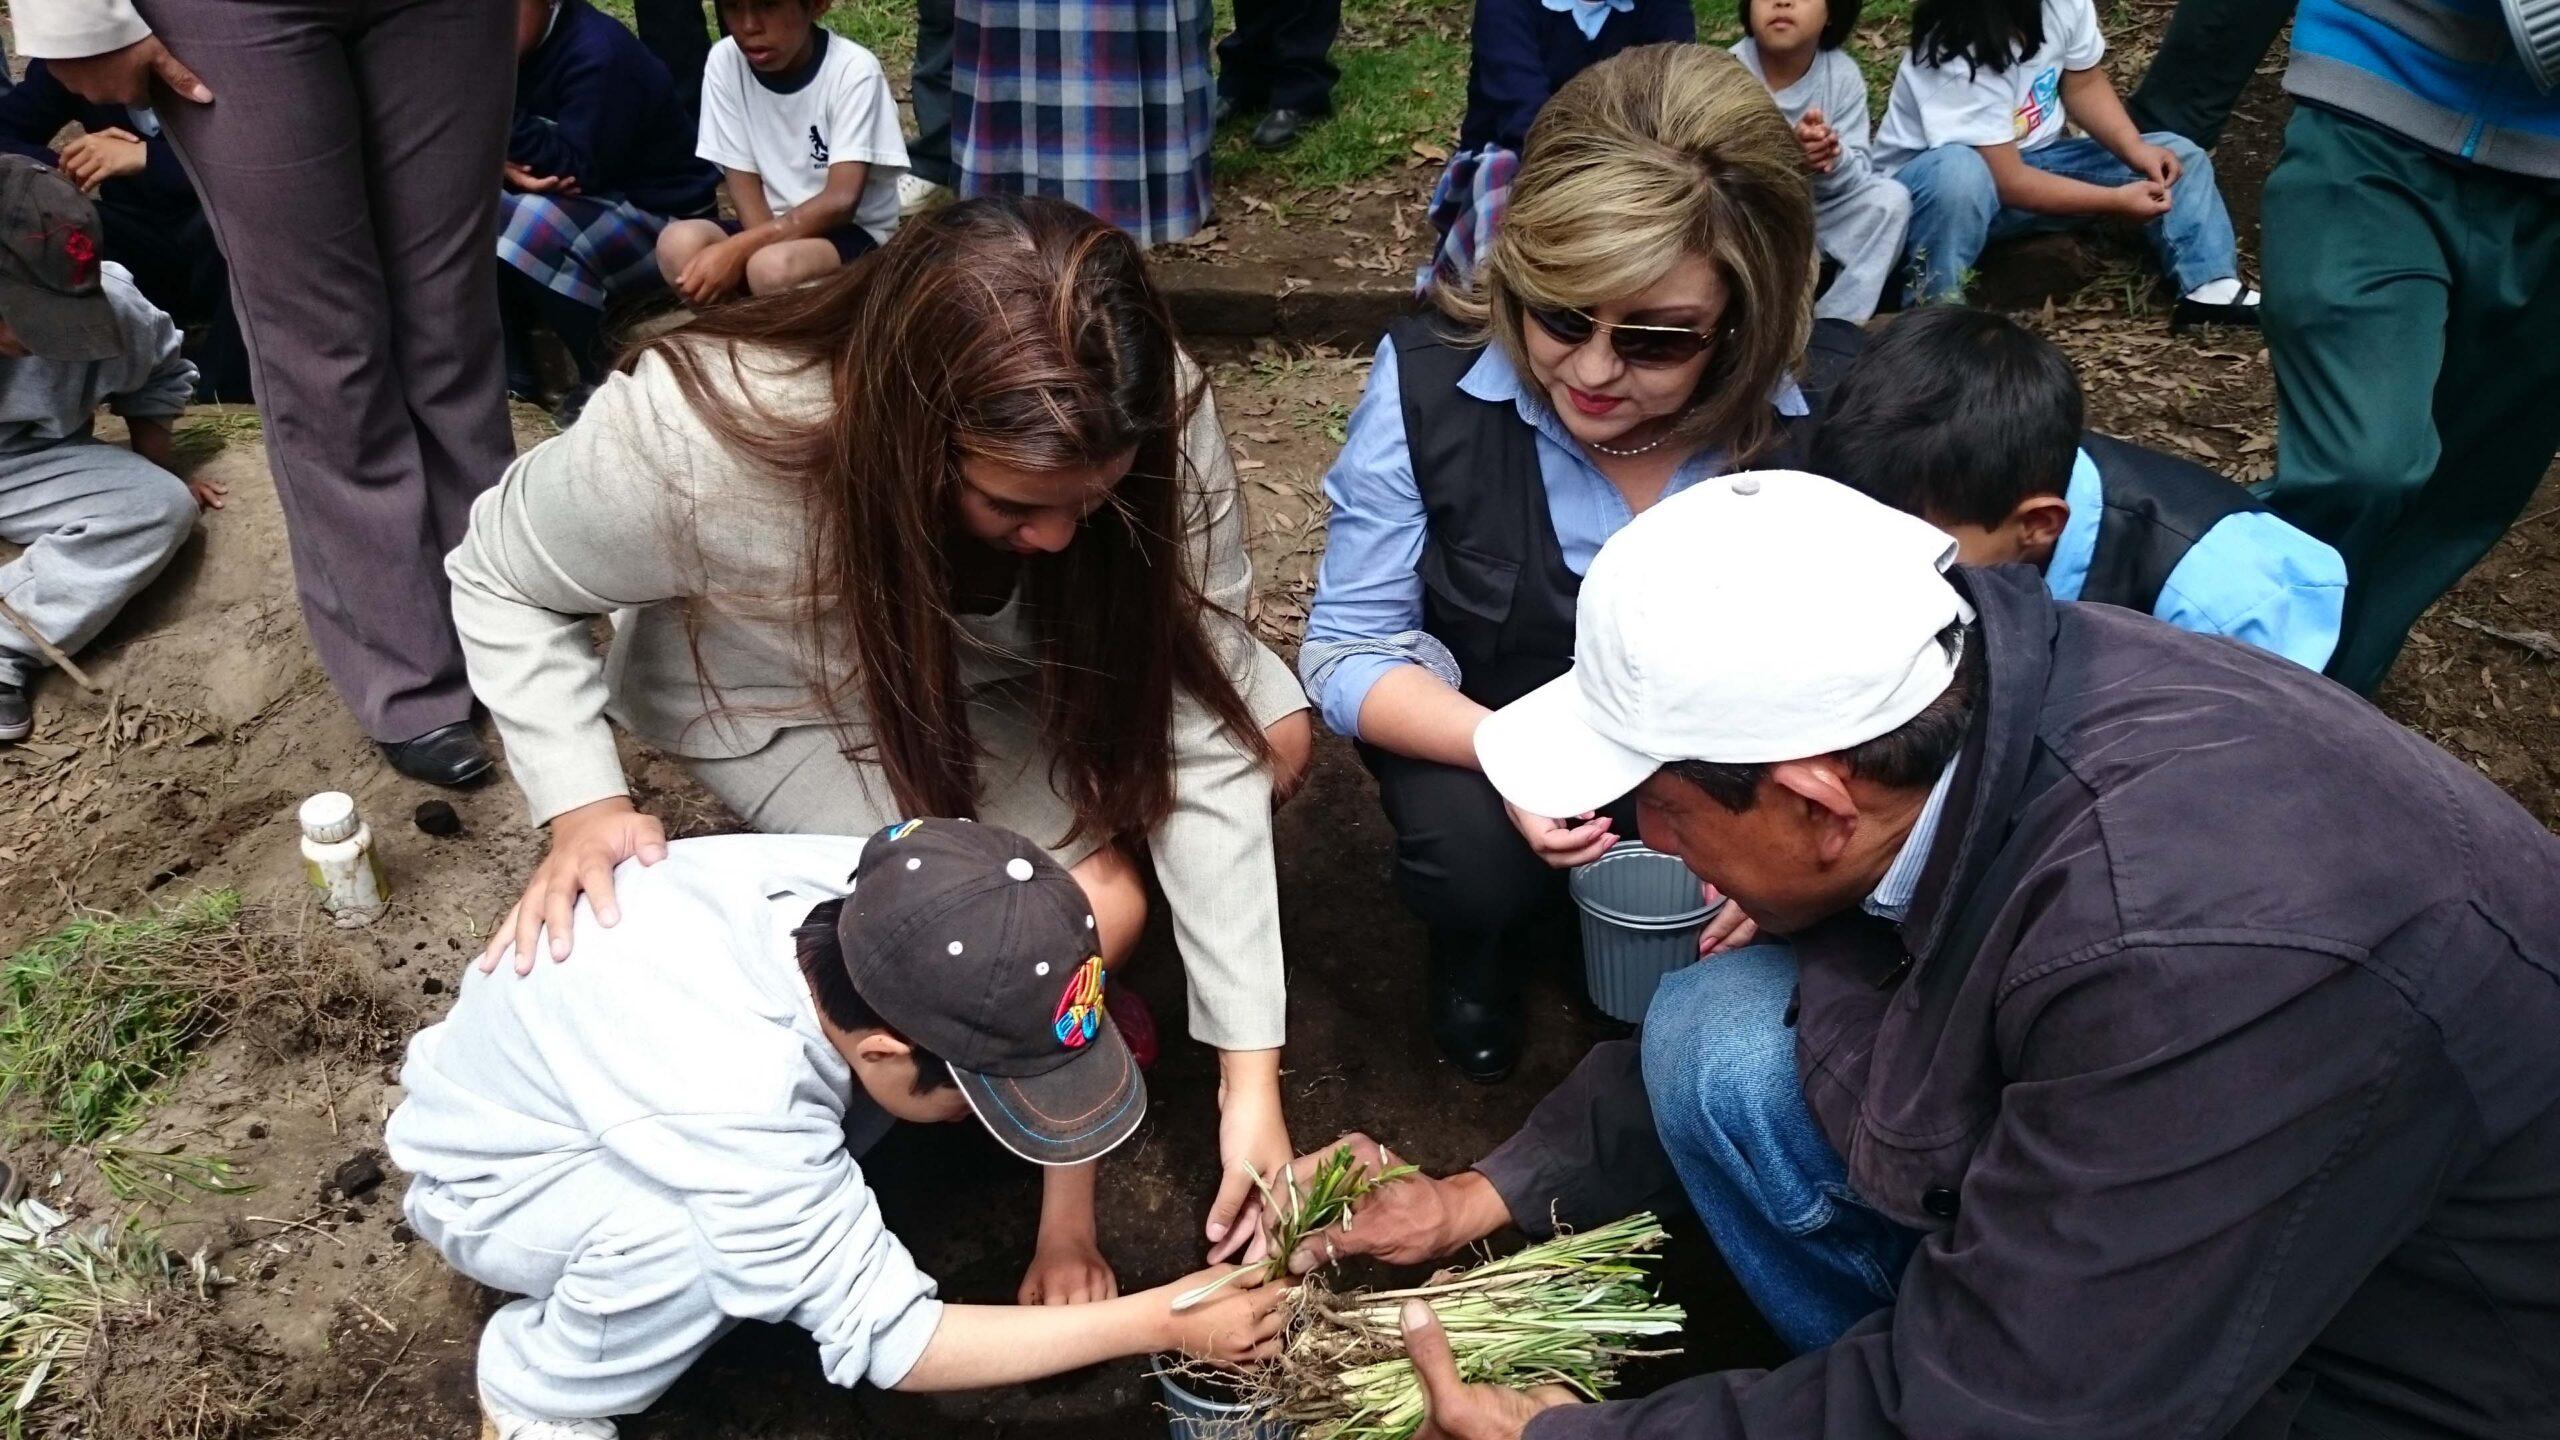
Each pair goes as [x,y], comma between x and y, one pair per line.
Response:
[1821,789]
[2038,521]
[879,1047]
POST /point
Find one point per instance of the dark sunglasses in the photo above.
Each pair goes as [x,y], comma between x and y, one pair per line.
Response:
[1646,346]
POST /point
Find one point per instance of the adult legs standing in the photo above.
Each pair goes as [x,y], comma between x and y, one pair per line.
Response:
[1277,57]
[2205,61]
[2412,423]
[356,209]
[929,154]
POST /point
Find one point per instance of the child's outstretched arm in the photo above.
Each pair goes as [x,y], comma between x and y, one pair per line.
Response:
[980,1346]
[2090,99]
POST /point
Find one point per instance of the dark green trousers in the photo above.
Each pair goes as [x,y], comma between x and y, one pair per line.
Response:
[2211,49]
[2413,316]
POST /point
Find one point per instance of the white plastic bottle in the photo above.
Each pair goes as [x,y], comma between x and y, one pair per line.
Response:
[337,853]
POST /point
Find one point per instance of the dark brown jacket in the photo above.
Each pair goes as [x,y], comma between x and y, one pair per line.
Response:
[2219,1057]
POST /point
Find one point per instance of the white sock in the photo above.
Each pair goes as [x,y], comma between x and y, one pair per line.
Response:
[2224,291]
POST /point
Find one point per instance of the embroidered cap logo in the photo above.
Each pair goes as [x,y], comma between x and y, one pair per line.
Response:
[82,253]
[1080,1009]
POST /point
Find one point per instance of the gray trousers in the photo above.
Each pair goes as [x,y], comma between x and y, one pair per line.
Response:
[348,166]
[1859,221]
[99,522]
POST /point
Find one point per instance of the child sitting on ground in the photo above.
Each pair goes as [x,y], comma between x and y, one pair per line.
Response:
[1793,46]
[1971,421]
[803,123]
[658,1139]
[599,160]
[1974,131]
[1521,52]
[98,521]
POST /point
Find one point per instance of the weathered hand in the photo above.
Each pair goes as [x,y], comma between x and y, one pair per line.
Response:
[1404,1222]
[1452,1409]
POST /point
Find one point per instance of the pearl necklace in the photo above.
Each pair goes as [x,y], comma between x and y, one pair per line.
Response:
[1633,451]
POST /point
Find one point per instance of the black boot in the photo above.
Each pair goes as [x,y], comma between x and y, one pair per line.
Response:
[1475,1004]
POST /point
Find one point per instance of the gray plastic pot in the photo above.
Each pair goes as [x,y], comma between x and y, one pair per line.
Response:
[1641,914]
[1194,1416]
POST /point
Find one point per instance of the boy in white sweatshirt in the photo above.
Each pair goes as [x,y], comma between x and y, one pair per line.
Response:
[652,1144]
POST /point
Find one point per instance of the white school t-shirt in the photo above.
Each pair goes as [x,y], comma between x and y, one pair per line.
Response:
[842,114]
[1955,104]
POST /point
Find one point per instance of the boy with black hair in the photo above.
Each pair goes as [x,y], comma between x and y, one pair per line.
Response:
[1793,48]
[1972,422]
[659,1140]
[98,521]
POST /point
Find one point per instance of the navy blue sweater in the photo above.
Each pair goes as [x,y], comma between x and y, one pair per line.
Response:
[592,102]
[1524,52]
[34,110]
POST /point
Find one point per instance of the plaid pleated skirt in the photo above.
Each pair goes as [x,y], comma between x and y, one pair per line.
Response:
[578,246]
[1104,103]
[1466,208]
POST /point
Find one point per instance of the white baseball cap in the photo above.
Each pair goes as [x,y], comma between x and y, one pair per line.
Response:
[1771,615]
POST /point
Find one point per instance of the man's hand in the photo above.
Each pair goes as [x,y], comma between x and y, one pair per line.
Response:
[103,155]
[715,271]
[519,178]
[123,77]
[1728,928]
[1821,143]
[2155,163]
[1067,1272]
[1560,844]
[1404,1222]
[2142,200]
[1452,1409]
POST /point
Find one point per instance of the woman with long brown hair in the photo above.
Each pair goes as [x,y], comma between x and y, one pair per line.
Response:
[952,534]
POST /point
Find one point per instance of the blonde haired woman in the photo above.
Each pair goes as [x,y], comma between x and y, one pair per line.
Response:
[1640,324]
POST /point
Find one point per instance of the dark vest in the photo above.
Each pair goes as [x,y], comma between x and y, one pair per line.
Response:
[2156,508]
[1495,589]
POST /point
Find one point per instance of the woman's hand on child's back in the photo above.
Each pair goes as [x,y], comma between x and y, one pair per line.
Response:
[586,843]
[1236,1324]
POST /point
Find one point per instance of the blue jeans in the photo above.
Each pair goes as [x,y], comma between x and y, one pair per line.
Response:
[1720,1070]
[1956,210]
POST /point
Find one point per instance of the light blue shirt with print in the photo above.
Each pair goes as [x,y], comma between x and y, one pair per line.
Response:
[1368,603]
[2252,577]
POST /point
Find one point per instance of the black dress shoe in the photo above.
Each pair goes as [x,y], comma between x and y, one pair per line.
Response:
[452,756]
[1280,129]
[1475,1005]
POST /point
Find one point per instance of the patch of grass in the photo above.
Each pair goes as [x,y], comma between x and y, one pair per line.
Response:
[98,1016]
[209,432]
[1404,83]
[67,1296]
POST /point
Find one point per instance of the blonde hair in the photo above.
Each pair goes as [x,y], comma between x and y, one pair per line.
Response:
[1653,155]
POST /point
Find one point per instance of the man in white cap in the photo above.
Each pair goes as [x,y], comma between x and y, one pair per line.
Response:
[2163,1045]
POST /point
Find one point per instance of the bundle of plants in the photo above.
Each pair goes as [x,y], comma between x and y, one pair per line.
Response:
[1565,1312]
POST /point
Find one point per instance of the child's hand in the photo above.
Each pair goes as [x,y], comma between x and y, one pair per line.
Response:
[1237,1324]
[1067,1272]
[1821,143]
[2156,164]
[103,155]
[2142,200]
[714,271]
[519,178]
[209,493]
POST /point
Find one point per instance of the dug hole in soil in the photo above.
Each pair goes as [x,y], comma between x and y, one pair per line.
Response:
[338,1323]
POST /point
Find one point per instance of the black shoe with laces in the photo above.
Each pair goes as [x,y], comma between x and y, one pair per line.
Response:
[17,711]
[1280,129]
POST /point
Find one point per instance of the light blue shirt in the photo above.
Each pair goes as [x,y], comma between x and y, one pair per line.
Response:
[1892,897]
[2252,577]
[1369,593]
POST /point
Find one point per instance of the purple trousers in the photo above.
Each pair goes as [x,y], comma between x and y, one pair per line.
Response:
[349,165]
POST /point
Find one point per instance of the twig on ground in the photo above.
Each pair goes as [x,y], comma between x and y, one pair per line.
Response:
[302,1224]
[388,1366]
[2539,642]
[47,649]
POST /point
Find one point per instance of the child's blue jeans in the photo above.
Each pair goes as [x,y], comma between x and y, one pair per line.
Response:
[1720,1071]
[1956,210]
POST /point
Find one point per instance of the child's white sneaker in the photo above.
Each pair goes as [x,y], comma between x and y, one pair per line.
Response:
[916,194]
[497,1424]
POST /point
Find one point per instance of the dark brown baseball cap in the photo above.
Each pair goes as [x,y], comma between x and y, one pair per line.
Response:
[50,294]
[970,941]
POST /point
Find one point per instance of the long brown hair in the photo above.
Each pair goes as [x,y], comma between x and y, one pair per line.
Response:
[1025,332]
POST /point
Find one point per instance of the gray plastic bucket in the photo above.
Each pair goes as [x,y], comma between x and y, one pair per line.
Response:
[1194,1416]
[1641,914]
